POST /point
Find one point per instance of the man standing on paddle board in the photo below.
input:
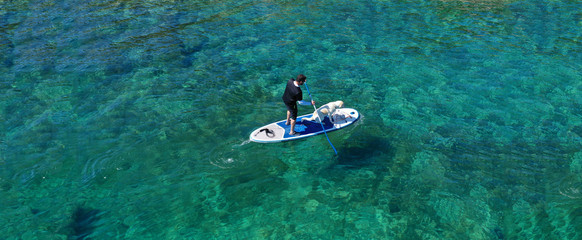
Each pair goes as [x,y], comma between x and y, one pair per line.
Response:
[292,95]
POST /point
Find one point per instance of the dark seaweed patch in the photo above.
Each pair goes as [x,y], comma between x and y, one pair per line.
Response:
[84,222]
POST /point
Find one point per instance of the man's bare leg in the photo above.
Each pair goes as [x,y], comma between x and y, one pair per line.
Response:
[292,131]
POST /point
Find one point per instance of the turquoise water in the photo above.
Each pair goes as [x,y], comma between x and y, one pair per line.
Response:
[130,120]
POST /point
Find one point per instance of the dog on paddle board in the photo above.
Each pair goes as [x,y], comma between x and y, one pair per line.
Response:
[325,110]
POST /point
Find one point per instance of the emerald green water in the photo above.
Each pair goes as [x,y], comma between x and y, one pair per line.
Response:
[130,120]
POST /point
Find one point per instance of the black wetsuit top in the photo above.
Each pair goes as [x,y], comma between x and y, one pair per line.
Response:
[292,93]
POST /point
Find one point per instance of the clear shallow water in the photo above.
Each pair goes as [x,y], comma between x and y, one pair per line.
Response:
[130,120]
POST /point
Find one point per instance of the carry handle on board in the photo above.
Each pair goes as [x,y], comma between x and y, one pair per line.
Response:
[320,120]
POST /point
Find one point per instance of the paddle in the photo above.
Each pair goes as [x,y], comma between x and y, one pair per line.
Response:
[320,120]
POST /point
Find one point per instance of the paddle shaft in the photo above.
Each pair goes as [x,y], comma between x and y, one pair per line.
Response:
[320,120]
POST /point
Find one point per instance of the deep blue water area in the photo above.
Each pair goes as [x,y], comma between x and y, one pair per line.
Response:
[130,119]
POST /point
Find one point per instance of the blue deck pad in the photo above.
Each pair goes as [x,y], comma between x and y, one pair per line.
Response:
[306,127]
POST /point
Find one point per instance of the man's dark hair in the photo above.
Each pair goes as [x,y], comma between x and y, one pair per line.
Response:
[301,78]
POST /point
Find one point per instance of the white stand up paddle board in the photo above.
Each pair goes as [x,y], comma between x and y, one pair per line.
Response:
[279,131]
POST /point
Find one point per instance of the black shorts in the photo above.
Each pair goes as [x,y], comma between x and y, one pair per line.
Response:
[292,107]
